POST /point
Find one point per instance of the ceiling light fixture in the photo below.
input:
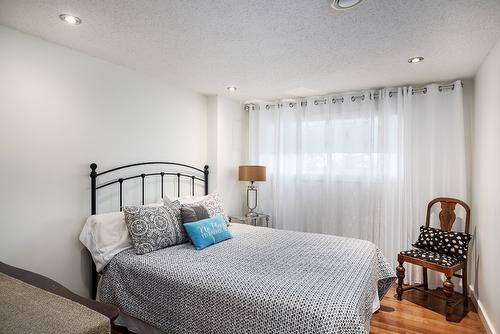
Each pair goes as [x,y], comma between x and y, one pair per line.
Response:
[70,19]
[344,4]
[231,88]
[414,60]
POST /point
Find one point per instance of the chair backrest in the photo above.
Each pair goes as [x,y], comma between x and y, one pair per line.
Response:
[447,216]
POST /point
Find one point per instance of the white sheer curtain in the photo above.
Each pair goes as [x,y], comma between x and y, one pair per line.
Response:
[361,165]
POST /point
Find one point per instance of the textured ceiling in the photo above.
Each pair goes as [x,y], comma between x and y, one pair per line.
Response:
[273,48]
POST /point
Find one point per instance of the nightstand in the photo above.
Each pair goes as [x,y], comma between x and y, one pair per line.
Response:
[260,220]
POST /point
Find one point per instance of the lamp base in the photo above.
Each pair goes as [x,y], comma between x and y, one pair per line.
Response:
[251,190]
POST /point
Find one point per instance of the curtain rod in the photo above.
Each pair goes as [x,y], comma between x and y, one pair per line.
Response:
[419,90]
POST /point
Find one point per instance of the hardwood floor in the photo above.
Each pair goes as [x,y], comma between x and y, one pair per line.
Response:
[416,313]
[420,313]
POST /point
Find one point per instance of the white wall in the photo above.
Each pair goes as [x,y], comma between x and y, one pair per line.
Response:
[486,186]
[228,148]
[59,111]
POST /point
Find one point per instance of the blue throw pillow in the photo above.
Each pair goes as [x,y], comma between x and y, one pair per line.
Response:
[206,232]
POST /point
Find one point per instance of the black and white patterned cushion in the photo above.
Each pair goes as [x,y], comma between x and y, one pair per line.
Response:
[441,259]
[153,228]
[445,242]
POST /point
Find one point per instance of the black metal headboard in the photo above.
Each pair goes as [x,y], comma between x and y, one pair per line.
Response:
[184,172]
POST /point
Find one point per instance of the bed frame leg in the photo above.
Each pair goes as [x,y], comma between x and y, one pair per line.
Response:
[400,273]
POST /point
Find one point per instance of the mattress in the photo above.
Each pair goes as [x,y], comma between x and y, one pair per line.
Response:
[261,281]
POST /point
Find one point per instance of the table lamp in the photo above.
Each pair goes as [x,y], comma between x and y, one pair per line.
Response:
[252,173]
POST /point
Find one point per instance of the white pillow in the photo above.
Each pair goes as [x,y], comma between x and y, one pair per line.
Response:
[106,235]
[184,199]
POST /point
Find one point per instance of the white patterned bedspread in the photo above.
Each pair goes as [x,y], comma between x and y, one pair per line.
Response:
[261,281]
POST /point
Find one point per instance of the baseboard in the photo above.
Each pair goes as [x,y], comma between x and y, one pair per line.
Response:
[482,314]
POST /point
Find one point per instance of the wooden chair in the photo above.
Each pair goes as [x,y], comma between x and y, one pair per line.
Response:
[447,218]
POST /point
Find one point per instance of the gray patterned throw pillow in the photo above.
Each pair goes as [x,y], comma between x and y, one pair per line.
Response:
[153,228]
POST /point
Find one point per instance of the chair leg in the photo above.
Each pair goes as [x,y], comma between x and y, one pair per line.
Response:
[424,273]
[448,292]
[465,287]
[400,273]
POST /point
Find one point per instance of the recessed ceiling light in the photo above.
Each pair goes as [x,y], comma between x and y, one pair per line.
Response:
[414,60]
[70,19]
[231,88]
[344,4]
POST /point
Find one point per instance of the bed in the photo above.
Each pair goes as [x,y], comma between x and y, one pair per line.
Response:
[262,281]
